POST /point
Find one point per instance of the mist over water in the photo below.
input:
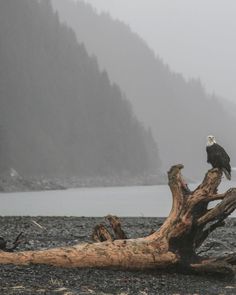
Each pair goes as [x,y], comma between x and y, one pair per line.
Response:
[143,201]
[84,95]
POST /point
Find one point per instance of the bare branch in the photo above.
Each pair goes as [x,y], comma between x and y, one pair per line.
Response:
[222,210]
[206,232]
[220,268]
[230,258]
[101,234]
[211,181]
[116,226]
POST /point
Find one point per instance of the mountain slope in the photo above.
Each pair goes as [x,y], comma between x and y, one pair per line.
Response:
[180,113]
[61,114]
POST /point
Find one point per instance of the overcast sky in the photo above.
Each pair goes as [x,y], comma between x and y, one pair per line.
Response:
[195,37]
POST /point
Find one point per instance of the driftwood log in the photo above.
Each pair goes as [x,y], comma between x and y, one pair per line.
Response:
[173,247]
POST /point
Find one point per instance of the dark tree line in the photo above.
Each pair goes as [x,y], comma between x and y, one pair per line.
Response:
[62,114]
[180,112]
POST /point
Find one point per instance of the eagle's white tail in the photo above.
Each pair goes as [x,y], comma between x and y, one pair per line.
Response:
[227,174]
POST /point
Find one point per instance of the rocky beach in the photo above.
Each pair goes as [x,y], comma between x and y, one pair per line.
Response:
[47,232]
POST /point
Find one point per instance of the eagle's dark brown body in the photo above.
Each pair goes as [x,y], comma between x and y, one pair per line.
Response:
[218,158]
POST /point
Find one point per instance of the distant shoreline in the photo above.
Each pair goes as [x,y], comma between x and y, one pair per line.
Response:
[27,184]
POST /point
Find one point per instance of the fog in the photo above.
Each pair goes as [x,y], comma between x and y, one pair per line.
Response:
[149,201]
[86,95]
[196,38]
[181,112]
[60,116]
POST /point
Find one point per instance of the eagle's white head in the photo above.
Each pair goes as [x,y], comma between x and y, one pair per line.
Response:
[210,140]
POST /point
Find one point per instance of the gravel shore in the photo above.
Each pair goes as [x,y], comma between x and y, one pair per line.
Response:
[61,231]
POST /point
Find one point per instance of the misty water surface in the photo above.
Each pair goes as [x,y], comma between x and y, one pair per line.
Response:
[122,201]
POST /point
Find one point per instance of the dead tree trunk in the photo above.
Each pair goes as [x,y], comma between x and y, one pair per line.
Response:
[173,246]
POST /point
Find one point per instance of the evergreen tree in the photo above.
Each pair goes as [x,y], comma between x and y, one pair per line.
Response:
[180,112]
[62,115]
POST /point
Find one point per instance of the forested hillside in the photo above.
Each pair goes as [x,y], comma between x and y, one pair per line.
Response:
[180,113]
[61,115]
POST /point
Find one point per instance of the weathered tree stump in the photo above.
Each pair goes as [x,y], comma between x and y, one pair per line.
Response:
[173,246]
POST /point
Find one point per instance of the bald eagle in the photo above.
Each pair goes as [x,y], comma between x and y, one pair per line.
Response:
[217,156]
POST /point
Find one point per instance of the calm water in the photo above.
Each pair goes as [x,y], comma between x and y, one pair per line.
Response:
[122,201]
